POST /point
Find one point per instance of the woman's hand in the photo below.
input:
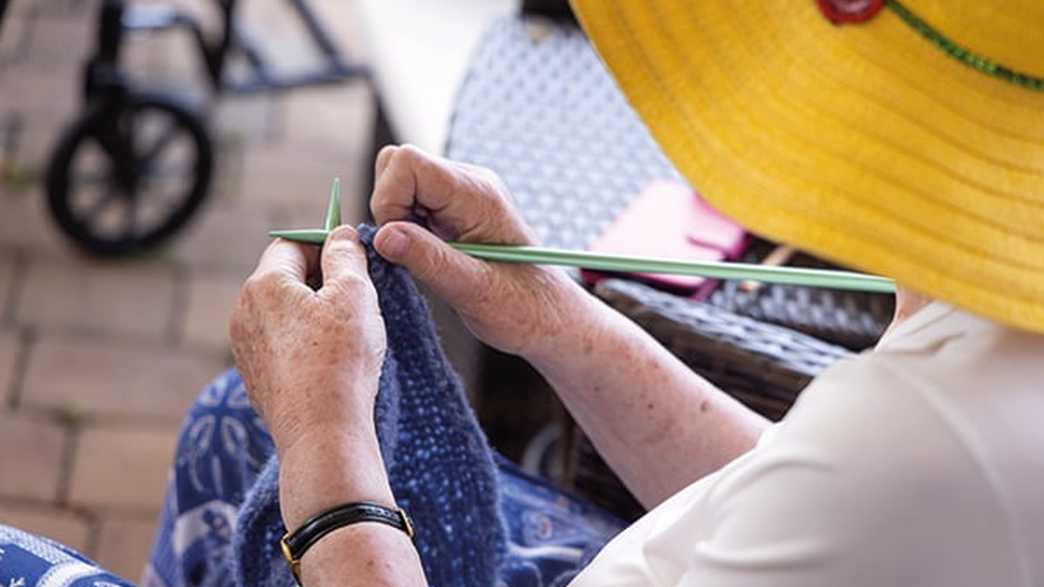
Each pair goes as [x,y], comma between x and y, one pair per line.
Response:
[515,308]
[658,424]
[310,361]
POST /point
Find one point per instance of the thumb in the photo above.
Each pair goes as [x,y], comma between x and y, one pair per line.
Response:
[452,275]
[343,258]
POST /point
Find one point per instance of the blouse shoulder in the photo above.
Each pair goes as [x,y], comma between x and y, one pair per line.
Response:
[864,483]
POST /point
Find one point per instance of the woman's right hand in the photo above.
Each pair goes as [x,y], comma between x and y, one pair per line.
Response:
[516,308]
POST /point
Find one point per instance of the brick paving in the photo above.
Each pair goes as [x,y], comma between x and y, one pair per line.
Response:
[98,360]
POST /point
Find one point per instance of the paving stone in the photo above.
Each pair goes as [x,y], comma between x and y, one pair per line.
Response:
[170,63]
[10,345]
[33,144]
[229,152]
[210,302]
[80,376]
[30,457]
[134,298]
[355,201]
[281,26]
[251,119]
[60,39]
[14,39]
[224,239]
[343,25]
[122,468]
[339,115]
[11,44]
[298,174]
[67,8]
[25,224]
[62,526]
[21,40]
[278,26]
[7,269]
[25,84]
[124,545]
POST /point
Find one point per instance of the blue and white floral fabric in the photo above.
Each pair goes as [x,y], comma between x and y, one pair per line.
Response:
[27,560]
[222,448]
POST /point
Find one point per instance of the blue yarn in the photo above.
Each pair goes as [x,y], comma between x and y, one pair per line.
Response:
[446,478]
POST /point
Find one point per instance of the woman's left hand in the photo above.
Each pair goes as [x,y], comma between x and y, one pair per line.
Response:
[310,361]
[309,358]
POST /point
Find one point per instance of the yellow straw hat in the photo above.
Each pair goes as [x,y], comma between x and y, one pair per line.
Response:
[902,138]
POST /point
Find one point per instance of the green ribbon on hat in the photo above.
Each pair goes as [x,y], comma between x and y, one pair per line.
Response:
[965,56]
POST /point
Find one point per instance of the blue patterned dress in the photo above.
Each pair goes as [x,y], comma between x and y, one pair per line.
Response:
[222,447]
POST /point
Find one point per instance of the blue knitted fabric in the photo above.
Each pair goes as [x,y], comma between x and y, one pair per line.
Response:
[439,463]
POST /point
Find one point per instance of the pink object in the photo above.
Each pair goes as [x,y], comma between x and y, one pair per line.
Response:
[669,220]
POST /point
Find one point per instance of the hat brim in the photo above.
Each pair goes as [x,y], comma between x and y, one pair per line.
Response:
[862,143]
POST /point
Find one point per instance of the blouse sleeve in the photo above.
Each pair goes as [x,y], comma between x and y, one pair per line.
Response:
[867,483]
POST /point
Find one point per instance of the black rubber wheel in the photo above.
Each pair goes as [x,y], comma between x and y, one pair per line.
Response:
[129,173]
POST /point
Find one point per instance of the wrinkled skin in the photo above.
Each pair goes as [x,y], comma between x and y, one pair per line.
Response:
[510,307]
[309,358]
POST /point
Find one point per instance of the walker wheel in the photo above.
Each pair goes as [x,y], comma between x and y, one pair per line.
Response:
[129,173]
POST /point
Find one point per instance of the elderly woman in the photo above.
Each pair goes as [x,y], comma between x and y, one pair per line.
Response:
[902,138]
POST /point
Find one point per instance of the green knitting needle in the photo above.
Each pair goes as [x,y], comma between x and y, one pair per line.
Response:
[625,263]
[333,209]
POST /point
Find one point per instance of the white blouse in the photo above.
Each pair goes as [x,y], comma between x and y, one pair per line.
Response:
[918,463]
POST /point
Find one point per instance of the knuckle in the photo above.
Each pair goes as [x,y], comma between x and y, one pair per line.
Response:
[355,282]
[400,156]
[377,204]
[385,155]
[490,177]
[250,287]
[355,287]
[485,178]
[241,324]
[383,204]
[428,267]
[235,326]
[261,285]
[488,185]
[437,266]
[493,209]
[393,165]
[409,152]
[256,283]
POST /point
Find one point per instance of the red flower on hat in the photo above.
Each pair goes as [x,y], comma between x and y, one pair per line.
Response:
[848,11]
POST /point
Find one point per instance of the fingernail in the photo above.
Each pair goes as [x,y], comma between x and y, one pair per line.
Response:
[394,244]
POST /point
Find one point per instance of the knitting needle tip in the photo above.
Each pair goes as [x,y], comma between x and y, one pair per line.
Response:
[310,236]
[333,209]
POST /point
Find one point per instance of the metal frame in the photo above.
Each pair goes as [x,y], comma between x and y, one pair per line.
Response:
[114,103]
[116,18]
[3,11]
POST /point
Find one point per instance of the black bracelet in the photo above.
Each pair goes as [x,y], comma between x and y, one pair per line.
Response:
[295,544]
